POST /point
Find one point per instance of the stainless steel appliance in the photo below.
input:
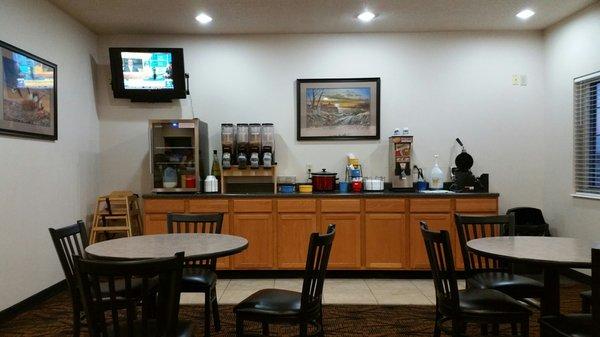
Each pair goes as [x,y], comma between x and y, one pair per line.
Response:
[227,145]
[268,144]
[242,145]
[399,162]
[178,154]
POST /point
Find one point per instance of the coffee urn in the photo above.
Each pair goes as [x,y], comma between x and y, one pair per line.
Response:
[227,144]
[242,145]
[254,145]
[399,161]
[268,145]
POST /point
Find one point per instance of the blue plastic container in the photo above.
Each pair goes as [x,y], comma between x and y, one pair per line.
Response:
[343,186]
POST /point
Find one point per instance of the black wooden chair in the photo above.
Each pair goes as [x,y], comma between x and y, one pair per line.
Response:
[460,307]
[578,325]
[70,241]
[529,221]
[275,306]
[199,275]
[487,273]
[159,295]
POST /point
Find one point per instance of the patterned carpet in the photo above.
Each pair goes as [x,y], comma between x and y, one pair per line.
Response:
[53,318]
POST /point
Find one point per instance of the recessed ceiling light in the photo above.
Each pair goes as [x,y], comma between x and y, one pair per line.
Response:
[366,16]
[203,18]
[525,14]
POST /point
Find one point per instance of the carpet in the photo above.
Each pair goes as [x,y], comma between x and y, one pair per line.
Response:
[53,318]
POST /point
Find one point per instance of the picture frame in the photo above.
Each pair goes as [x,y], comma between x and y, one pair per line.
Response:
[28,94]
[338,109]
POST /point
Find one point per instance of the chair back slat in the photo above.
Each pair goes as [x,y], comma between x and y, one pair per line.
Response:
[596,291]
[441,260]
[68,242]
[317,260]
[470,227]
[196,223]
[165,276]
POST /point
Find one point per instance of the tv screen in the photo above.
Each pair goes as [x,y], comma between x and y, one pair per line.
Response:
[147,74]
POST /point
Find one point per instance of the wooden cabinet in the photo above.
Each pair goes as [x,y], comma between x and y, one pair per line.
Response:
[258,229]
[293,234]
[418,254]
[373,232]
[385,241]
[346,251]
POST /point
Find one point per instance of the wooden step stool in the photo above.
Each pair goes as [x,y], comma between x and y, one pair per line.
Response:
[120,207]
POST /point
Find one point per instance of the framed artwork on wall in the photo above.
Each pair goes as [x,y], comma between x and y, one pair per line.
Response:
[338,109]
[28,95]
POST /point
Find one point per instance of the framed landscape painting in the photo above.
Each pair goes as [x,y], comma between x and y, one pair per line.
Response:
[28,95]
[338,109]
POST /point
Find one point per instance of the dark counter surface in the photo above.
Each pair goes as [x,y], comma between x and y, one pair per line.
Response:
[382,194]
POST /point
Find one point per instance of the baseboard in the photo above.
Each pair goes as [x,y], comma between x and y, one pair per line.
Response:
[29,302]
[399,274]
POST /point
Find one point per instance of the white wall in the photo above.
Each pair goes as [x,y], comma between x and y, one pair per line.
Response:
[572,50]
[46,184]
[440,85]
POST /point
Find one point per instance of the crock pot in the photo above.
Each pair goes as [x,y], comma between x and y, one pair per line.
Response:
[323,181]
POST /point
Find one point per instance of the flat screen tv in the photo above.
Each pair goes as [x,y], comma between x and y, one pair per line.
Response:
[148,74]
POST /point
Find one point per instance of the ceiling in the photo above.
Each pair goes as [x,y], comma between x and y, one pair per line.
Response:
[313,16]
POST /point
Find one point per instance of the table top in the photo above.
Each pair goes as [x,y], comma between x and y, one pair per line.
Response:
[195,246]
[549,251]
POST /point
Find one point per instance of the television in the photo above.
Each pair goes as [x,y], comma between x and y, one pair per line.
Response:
[148,74]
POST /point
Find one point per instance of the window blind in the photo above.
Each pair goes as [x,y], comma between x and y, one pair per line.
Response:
[586,133]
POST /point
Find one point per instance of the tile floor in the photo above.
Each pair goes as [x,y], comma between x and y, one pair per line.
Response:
[336,291]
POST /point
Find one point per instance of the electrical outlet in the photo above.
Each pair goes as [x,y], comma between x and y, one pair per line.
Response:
[516,80]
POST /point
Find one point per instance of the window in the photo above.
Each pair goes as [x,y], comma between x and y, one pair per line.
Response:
[587,135]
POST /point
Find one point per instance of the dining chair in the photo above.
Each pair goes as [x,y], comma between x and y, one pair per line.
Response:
[460,307]
[199,275]
[159,316]
[68,242]
[578,325]
[487,273]
[529,221]
[278,306]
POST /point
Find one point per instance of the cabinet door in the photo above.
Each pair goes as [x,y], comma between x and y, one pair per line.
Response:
[257,228]
[418,254]
[385,241]
[346,251]
[293,234]
[155,224]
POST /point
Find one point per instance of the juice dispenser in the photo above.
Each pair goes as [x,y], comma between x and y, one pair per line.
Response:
[227,144]
[242,145]
[254,147]
[268,144]
[399,165]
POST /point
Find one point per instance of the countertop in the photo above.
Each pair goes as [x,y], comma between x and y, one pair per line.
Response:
[382,194]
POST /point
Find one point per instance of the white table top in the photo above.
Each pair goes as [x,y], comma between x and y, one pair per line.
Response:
[555,251]
[195,246]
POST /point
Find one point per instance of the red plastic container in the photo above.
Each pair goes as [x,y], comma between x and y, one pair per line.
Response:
[190,181]
[357,186]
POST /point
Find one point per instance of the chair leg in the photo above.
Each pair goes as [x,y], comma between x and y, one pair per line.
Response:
[484,329]
[207,314]
[215,310]
[513,329]
[456,328]
[525,328]
[303,329]
[265,328]
[239,327]
[495,329]
[76,318]
[321,326]
[437,332]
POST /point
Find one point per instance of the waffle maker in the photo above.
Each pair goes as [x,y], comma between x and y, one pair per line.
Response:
[463,179]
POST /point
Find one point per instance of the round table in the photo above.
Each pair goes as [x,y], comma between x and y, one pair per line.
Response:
[551,253]
[195,246]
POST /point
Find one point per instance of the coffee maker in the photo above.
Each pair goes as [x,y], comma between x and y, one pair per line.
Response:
[227,144]
[254,144]
[399,161]
[242,145]
[268,145]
